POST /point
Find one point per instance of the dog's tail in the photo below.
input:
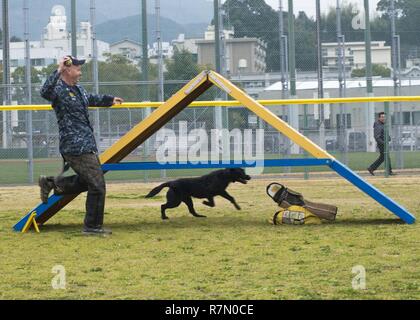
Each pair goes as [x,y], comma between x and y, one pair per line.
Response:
[158,189]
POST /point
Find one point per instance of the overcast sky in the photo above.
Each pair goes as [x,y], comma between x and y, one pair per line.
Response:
[309,5]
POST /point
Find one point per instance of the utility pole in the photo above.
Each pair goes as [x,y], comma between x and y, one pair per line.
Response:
[293,110]
[73,29]
[320,76]
[145,75]
[161,95]
[7,96]
[216,19]
[221,114]
[29,131]
[283,70]
[145,54]
[397,83]
[342,123]
[284,75]
[95,76]
[370,110]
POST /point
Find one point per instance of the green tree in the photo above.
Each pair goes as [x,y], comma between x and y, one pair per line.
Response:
[377,70]
[306,57]
[254,18]
[18,77]
[407,24]
[15,39]
[182,66]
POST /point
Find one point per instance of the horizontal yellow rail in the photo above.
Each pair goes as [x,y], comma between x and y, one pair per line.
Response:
[135,105]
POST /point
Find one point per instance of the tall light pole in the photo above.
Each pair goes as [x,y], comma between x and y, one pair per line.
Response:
[29,137]
[283,67]
[145,54]
[342,123]
[320,75]
[161,95]
[370,110]
[293,111]
[95,76]
[7,94]
[73,29]
[397,84]
[220,113]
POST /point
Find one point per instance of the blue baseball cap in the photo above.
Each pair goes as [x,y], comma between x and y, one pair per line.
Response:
[74,61]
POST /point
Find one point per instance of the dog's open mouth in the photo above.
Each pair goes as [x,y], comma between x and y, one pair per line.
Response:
[243,181]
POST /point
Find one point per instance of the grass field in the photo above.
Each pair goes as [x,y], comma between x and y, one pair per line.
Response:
[228,255]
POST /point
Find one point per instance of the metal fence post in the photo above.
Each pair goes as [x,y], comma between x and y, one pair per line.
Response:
[386,138]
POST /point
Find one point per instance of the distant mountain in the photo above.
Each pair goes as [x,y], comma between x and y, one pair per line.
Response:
[180,11]
[129,27]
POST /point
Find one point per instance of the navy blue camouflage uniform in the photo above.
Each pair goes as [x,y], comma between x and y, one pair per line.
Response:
[77,144]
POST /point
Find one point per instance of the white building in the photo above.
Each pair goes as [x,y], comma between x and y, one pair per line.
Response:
[242,55]
[167,51]
[56,43]
[355,55]
[130,49]
[56,36]
[185,44]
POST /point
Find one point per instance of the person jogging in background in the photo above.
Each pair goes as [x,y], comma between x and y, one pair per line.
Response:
[70,102]
[379,134]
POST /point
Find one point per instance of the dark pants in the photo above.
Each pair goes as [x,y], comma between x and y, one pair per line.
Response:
[89,178]
[380,159]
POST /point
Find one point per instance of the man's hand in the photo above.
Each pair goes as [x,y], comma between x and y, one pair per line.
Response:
[61,64]
[117,100]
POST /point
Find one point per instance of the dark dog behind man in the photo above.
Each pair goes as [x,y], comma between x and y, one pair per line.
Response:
[204,187]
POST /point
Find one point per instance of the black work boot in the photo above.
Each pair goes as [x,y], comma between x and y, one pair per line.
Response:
[46,184]
[96,231]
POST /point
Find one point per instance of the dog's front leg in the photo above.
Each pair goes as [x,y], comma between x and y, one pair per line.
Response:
[227,196]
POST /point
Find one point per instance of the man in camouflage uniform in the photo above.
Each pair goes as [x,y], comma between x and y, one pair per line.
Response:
[70,102]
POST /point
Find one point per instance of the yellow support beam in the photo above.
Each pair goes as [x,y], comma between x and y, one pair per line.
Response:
[31,222]
[232,103]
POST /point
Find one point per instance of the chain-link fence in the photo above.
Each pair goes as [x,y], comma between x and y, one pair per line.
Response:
[251,57]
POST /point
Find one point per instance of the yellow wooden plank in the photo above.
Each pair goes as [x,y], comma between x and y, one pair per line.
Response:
[268,116]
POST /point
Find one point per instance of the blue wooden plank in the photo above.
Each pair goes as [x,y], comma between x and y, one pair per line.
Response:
[377,195]
[40,209]
[209,165]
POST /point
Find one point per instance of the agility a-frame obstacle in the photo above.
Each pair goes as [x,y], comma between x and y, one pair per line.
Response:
[146,128]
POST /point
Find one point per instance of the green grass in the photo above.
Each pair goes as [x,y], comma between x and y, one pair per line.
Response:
[15,172]
[228,255]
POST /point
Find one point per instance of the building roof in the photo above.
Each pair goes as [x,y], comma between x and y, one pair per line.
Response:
[413,68]
[231,40]
[333,84]
[125,40]
[355,43]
